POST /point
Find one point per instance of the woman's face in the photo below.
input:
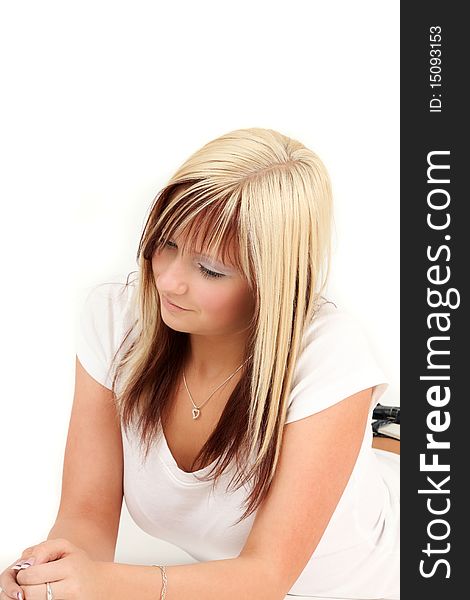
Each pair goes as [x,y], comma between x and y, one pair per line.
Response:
[216,297]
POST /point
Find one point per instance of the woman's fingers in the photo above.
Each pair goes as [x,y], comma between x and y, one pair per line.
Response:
[45,552]
[27,552]
[4,596]
[9,585]
[34,580]
[52,571]
[39,592]
[48,550]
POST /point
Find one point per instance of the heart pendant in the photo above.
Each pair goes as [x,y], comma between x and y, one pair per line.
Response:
[196,412]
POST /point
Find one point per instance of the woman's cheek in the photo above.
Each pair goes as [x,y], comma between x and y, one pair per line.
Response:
[219,303]
[214,301]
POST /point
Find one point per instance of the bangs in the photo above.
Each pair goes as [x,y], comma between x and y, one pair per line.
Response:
[207,222]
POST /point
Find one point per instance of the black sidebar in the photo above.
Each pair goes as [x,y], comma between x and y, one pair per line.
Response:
[434,258]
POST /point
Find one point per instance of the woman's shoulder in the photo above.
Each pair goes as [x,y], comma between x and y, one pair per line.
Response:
[335,334]
[330,322]
[105,316]
[336,360]
[111,292]
[109,302]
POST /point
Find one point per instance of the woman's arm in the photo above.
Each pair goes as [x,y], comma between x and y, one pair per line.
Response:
[317,457]
[96,536]
[92,490]
[230,579]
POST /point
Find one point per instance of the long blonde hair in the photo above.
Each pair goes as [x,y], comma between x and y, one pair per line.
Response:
[273,196]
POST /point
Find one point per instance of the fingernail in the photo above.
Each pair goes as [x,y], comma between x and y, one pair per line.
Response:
[24,564]
[19,595]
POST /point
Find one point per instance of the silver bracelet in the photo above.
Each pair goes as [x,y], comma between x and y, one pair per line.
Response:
[164,579]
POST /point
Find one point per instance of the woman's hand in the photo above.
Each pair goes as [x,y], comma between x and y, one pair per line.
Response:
[8,583]
[71,573]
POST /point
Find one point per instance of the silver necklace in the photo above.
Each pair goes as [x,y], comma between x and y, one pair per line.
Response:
[196,410]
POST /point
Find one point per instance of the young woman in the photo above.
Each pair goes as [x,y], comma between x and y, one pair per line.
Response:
[227,400]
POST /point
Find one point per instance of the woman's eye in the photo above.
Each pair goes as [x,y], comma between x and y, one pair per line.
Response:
[204,272]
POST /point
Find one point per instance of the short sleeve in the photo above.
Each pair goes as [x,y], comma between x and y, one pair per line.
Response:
[99,330]
[336,362]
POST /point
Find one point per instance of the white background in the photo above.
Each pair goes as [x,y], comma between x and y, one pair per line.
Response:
[101,102]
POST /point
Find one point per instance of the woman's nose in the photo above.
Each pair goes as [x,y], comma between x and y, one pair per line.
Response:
[173,277]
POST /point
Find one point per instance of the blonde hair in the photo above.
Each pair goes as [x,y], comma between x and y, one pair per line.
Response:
[273,196]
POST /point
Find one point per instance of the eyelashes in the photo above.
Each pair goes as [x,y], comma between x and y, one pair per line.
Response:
[204,272]
[210,274]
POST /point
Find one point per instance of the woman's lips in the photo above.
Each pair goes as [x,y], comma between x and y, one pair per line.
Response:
[170,305]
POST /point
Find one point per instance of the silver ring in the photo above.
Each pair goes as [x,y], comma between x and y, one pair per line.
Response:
[50,595]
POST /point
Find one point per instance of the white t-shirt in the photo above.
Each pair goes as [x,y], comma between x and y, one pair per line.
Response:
[358,554]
